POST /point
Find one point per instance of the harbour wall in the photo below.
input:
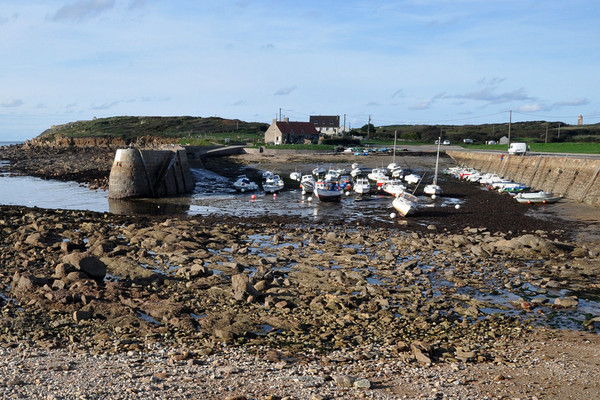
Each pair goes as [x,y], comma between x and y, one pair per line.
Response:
[573,177]
[149,173]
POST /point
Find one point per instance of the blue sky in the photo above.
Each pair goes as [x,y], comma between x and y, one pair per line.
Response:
[408,62]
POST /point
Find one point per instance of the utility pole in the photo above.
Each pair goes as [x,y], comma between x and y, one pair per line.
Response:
[368,128]
[558,133]
[546,141]
[344,123]
[279,113]
[509,124]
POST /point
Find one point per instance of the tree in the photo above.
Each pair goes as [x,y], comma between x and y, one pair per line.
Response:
[368,128]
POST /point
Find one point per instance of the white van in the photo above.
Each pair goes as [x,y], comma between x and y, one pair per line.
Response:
[518,148]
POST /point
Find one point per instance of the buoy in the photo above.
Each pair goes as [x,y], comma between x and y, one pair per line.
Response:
[253,196]
[393,215]
[347,193]
[528,201]
[457,206]
[544,201]
[274,195]
[433,196]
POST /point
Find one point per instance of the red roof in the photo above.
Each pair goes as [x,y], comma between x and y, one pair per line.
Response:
[297,128]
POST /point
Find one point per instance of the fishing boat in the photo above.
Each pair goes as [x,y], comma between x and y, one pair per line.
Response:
[406,204]
[296,176]
[362,186]
[433,188]
[513,188]
[328,191]
[412,178]
[319,171]
[397,173]
[307,184]
[537,197]
[378,174]
[394,187]
[243,184]
[273,184]
[267,175]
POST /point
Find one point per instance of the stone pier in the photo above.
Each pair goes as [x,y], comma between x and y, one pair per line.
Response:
[573,177]
[149,173]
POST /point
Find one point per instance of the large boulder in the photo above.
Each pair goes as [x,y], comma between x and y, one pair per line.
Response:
[89,264]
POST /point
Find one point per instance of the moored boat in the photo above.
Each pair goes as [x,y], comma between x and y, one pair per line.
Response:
[537,197]
[412,178]
[296,176]
[273,184]
[394,187]
[362,186]
[328,191]
[433,188]
[243,184]
[406,204]
[307,184]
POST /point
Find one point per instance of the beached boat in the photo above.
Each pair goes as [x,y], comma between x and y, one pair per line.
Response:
[537,197]
[328,191]
[273,184]
[319,171]
[513,188]
[296,176]
[307,184]
[362,186]
[243,184]
[406,204]
[433,188]
[394,187]
[412,178]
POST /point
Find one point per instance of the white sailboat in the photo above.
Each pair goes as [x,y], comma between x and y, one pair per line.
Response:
[434,188]
[391,166]
[406,204]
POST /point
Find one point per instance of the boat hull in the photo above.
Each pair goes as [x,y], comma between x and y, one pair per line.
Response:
[328,195]
[537,198]
[432,189]
[406,204]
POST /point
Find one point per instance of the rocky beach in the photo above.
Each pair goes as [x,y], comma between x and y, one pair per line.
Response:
[485,301]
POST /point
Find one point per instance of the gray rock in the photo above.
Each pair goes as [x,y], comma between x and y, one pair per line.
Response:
[567,302]
[343,380]
[362,383]
[89,264]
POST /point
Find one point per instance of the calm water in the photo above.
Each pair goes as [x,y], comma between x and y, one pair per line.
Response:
[213,195]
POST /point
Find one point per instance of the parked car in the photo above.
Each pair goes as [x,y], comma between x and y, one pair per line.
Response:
[446,142]
[468,141]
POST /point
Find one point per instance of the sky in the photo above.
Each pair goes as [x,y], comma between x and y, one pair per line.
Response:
[452,62]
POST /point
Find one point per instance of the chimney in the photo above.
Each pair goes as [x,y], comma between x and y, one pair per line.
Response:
[274,120]
[286,119]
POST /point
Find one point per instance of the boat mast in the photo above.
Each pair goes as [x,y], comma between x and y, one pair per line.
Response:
[394,157]
[437,160]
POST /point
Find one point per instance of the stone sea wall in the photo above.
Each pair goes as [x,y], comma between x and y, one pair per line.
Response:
[573,177]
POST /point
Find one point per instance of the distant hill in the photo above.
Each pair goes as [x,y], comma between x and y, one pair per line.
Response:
[198,130]
[170,127]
